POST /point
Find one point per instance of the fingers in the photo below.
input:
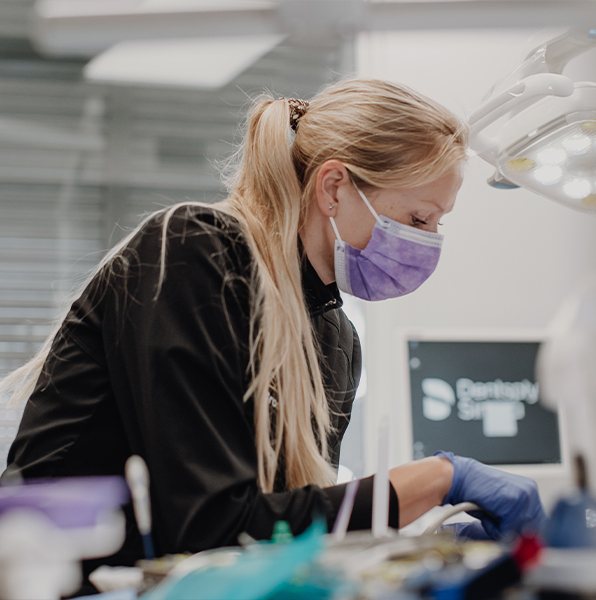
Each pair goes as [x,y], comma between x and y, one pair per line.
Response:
[511,503]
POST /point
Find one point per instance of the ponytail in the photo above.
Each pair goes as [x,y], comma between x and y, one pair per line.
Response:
[266,197]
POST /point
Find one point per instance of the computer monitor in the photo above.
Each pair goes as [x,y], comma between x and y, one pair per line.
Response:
[476,394]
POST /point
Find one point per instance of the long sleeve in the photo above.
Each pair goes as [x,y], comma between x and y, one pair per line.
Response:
[181,362]
[164,376]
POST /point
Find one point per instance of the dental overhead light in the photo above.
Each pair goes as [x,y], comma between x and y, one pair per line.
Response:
[547,143]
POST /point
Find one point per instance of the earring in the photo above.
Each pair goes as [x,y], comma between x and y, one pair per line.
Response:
[331,206]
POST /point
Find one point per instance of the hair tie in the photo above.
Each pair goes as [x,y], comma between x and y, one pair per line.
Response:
[297,108]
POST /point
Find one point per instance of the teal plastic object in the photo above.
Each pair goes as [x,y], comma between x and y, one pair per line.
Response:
[259,572]
[315,582]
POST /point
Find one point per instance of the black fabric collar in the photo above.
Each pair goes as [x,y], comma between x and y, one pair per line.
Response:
[319,297]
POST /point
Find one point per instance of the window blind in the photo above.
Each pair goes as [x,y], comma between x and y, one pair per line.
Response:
[80,164]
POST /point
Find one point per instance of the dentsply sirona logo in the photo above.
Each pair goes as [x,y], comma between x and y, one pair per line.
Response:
[438,400]
[498,404]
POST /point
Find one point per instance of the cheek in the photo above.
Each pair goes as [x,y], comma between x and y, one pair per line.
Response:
[357,230]
[396,210]
[355,223]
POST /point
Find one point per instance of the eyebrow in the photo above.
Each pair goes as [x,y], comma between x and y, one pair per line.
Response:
[438,206]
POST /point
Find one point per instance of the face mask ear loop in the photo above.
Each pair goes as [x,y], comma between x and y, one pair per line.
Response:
[335,229]
[368,205]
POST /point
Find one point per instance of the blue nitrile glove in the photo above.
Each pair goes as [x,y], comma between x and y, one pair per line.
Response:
[510,503]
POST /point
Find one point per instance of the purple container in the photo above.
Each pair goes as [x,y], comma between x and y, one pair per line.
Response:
[68,502]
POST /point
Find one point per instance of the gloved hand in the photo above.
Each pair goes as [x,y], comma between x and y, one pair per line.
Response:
[510,503]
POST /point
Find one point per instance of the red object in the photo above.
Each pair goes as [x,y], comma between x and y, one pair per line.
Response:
[527,552]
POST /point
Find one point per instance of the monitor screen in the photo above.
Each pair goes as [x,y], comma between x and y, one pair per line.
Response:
[480,399]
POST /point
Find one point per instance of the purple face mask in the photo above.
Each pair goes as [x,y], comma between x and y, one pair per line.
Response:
[397,260]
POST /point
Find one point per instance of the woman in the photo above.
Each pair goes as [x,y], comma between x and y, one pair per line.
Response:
[212,342]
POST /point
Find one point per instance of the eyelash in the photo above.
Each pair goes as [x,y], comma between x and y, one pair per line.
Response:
[416,221]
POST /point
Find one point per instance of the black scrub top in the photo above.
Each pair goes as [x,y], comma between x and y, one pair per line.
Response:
[164,375]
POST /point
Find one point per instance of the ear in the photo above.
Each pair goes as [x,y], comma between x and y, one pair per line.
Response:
[332,177]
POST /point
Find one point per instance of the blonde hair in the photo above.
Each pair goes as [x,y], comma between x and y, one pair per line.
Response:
[387,136]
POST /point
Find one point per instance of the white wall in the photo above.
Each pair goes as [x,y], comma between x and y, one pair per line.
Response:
[509,256]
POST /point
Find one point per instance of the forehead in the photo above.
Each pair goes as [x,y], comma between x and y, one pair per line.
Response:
[434,198]
[440,194]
